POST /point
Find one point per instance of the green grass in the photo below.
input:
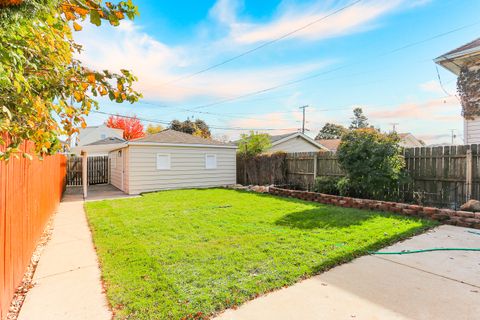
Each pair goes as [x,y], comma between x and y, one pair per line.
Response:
[190,253]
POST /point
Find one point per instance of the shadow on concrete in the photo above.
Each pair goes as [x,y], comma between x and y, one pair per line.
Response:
[95,193]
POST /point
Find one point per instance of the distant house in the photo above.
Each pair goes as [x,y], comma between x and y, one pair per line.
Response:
[407,140]
[295,142]
[465,63]
[172,160]
[97,140]
[330,144]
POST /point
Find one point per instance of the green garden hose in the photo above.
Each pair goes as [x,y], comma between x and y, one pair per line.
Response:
[428,250]
[424,250]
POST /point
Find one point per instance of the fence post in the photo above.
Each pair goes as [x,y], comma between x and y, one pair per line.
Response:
[84,173]
[469,175]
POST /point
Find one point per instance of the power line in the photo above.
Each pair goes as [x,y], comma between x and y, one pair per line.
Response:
[234,98]
[210,126]
[289,83]
[166,122]
[256,115]
[263,45]
[441,85]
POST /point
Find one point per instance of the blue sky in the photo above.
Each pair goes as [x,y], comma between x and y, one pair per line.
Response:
[351,52]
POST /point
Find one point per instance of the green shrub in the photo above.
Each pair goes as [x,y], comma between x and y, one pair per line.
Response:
[328,185]
[373,164]
[344,187]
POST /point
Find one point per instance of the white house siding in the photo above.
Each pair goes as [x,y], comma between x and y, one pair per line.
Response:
[472,131]
[297,144]
[116,168]
[92,134]
[187,168]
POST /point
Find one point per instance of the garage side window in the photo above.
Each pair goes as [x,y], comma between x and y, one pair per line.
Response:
[210,161]
[163,161]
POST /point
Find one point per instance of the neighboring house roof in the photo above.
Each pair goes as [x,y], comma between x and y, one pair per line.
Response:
[330,144]
[455,59]
[279,137]
[462,49]
[109,140]
[408,140]
[172,137]
[275,140]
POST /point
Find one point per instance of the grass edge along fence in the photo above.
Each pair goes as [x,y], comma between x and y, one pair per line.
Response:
[444,176]
[30,191]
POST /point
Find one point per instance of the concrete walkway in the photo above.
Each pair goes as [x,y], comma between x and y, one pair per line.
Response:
[67,279]
[433,285]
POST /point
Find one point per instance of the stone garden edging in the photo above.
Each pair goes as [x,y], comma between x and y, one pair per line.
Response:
[446,216]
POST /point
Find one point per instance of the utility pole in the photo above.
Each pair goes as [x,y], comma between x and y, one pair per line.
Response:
[453,135]
[303,121]
[394,125]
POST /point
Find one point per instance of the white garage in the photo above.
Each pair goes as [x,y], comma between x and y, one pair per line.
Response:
[172,160]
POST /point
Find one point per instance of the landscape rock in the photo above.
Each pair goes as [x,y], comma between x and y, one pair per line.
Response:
[471,205]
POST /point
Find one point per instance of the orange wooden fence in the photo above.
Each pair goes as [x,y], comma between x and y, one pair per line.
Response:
[30,191]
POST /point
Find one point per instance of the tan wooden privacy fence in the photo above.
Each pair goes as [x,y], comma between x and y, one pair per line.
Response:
[74,171]
[440,176]
[444,176]
[97,169]
[262,170]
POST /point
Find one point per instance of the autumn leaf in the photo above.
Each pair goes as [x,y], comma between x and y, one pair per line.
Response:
[78,96]
[102,90]
[119,15]
[76,26]
[95,17]
[91,78]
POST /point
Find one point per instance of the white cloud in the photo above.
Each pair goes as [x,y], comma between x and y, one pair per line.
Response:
[156,64]
[356,18]
[431,86]
[428,110]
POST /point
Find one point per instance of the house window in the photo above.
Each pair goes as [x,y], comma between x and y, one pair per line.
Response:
[119,154]
[210,161]
[163,161]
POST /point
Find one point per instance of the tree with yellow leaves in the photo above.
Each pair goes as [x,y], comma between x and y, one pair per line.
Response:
[44,91]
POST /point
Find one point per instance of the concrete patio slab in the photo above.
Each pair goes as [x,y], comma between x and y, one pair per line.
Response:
[433,285]
[67,279]
[95,192]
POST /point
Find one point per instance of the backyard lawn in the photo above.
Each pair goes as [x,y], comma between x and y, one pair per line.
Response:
[187,254]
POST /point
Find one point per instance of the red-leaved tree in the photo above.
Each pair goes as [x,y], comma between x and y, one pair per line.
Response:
[132,127]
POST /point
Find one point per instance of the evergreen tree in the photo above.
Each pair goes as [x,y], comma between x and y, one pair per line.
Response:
[331,131]
[359,120]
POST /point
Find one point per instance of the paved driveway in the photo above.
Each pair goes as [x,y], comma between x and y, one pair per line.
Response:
[432,285]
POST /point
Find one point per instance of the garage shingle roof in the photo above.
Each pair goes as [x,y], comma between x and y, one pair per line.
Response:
[177,137]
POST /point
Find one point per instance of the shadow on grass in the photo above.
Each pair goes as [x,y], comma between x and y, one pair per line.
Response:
[325,217]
